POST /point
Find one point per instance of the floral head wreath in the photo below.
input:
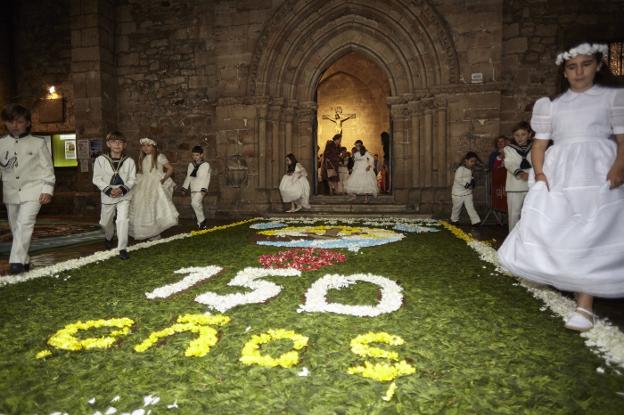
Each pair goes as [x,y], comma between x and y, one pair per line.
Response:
[149,141]
[582,49]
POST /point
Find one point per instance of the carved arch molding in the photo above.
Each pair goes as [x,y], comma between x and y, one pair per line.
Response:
[408,39]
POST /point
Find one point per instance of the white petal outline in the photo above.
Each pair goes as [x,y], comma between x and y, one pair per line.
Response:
[248,278]
[316,296]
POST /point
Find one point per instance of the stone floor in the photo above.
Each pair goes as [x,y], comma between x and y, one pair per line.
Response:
[60,238]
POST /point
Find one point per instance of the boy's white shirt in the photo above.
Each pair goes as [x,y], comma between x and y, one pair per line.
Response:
[512,164]
[463,176]
[202,181]
[33,174]
[103,173]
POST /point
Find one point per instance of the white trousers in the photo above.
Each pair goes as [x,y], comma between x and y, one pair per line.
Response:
[22,219]
[122,209]
[458,202]
[515,200]
[197,203]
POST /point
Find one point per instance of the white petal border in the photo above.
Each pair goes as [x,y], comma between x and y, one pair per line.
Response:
[70,264]
[605,339]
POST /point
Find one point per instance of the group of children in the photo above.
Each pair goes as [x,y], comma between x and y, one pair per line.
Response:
[142,201]
[360,180]
[134,203]
[515,158]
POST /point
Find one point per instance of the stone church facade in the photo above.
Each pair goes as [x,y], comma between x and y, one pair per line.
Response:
[242,78]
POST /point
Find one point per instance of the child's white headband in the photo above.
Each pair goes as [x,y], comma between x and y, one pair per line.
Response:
[582,49]
[149,141]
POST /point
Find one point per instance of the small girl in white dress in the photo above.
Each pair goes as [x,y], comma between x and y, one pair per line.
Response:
[363,180]
[571,232]
[152,210]
[294,186]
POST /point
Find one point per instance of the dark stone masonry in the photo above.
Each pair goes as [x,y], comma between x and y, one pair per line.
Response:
[250,80]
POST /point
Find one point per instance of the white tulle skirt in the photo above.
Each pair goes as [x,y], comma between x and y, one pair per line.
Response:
[572,237]
[295,189]
[151,210]
[361,181]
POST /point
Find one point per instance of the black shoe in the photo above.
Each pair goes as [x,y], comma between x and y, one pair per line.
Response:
[123,254]
[108,244]
[16,268]
[476,225]
[26,267]
[202,225]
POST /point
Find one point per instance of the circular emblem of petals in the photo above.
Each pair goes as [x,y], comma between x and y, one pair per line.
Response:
[306,259]
[352,238]
[316,296]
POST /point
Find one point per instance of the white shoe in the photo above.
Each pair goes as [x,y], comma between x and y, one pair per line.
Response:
[580,320]
[297,209]
[289,211]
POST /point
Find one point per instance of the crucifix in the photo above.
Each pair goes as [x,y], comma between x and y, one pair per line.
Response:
[338,119]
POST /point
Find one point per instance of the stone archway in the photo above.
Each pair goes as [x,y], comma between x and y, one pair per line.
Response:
[407,39]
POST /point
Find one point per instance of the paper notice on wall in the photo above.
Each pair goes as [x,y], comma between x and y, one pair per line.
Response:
[84,165]
[70,150]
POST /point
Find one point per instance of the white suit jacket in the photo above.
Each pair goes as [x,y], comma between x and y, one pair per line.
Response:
[202,181]
[463,176]
[512,164]
[103,173]
[26,168]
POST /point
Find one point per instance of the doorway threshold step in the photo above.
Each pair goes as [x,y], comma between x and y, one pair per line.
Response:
[346,200]
[357,208]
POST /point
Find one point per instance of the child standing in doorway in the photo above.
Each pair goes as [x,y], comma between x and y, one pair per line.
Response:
[363,180]
[461,193]
[516,161]
[152,210]
[196,182]
[115,174]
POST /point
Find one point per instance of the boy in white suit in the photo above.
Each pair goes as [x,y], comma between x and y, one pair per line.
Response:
[518,164]
[27,181]
[115,174]
[197,182]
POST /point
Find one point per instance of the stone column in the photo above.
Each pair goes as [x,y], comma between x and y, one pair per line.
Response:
[305,142]
[441,141]
[93,66]
[415,109]
[427,153]
[289,116]
[262,110]
[276,141]
[400,142]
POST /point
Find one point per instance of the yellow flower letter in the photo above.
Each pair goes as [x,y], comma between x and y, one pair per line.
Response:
[251,351]
[194,323]
[384,371]
[66,337]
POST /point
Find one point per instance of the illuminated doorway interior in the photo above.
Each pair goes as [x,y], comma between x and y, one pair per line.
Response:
[351,99]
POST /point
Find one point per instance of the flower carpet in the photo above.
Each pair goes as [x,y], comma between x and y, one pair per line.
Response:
[301,315]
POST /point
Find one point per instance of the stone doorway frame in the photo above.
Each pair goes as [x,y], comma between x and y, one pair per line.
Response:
[409,41]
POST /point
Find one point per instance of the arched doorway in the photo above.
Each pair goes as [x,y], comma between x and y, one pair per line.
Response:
[352,100]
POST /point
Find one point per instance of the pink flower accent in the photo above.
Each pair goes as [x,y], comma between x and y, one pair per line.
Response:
[304,259]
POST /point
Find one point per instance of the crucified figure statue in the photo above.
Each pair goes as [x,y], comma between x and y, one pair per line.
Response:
[338,119]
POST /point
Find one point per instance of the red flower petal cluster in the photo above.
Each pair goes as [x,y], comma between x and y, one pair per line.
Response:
[305,259]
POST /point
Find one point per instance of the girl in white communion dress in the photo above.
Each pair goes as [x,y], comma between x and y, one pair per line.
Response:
[571,232]
[152,210]
[294,186]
